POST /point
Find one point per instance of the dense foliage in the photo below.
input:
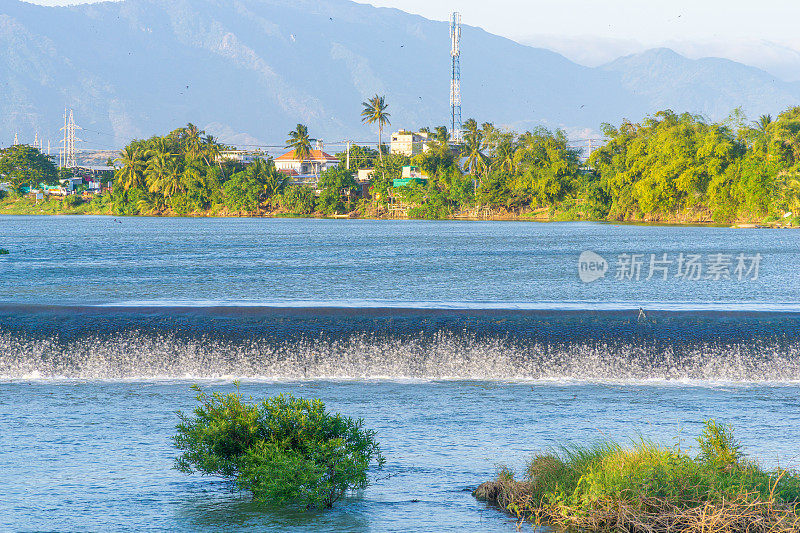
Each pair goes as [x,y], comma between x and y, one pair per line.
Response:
[285,450]
[22,165]
[647,487]
[669,167]
[184,173]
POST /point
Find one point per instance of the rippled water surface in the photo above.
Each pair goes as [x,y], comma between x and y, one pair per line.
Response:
[83,260]
[465,345]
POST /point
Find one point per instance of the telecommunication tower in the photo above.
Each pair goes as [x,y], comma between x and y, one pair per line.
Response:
[455,81]
[67,155]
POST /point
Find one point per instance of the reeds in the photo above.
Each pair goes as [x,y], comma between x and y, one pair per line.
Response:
[651,489]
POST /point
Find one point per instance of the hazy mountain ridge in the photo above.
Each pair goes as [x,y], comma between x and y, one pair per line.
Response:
[252,69]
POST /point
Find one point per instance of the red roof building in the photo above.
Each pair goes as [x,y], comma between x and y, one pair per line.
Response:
[316,163]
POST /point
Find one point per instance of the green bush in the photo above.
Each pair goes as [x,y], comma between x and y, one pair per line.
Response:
[285,450]
[298,199]
[718,447]
[647,487]
[73,200]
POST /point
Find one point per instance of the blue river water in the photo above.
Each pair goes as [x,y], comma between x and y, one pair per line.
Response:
[465,345]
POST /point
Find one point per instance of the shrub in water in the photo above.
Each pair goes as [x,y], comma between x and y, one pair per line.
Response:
[655,489]
[285,450]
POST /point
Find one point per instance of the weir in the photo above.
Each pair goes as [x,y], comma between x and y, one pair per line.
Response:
[373,343]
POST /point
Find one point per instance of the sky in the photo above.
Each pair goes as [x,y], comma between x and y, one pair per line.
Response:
[592,32]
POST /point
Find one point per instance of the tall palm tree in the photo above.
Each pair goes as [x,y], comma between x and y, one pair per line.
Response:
[375,111]
[474,145]
[134,164]
[300,142]
[193,141]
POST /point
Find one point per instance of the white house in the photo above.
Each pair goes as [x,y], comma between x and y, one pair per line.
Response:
[316,163]
[244,157]
[409,143]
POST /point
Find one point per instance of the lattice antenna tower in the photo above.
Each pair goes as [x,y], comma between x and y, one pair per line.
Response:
[455,81]
[67,154]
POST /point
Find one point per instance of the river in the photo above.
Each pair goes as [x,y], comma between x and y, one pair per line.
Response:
[465,345]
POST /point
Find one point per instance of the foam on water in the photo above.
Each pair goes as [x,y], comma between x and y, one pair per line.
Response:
[397,344]
[134,355]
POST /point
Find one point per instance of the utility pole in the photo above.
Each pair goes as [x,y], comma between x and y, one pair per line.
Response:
[16,140]
[348,155]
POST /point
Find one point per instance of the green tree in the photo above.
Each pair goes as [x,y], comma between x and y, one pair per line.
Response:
[133,167]
[300,142]
[375,112]
[360,157]
[285,450]
[475,161]
[164,175]
[24,165]
[441,135]
[298,199]
[386,170]
[338,190]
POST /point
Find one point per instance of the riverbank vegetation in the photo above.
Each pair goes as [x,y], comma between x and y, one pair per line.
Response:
[667,168]
[286,451]
[650,488]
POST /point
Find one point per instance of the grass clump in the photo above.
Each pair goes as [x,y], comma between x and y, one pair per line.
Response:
[285,450]
[650,488]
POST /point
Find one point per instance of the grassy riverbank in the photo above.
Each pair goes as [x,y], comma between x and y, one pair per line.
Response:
[650,488]
[366,210]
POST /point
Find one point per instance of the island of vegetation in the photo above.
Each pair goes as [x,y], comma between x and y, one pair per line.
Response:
[286,451]
[646,488]
[672,168]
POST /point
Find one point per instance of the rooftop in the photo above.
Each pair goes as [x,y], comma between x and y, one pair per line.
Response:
[314,155]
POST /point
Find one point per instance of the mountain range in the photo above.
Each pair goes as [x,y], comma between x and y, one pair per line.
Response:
[249,70]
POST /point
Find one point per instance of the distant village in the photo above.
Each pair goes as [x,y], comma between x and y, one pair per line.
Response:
[91,180]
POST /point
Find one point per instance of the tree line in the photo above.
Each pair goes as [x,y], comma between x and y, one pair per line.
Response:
[669,167]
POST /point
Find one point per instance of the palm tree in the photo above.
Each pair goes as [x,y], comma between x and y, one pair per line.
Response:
[301,143]
[274,181]
[163,175]
[375,111]
[763,123]
[133,168]
[504,155]
[193,141]
[474,145]
[441,135]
